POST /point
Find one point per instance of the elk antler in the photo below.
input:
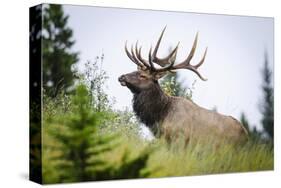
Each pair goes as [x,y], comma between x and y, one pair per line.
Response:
[167,63]
[167,60]
[132,57]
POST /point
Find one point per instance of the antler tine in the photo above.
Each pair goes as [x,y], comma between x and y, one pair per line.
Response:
[168,68]
[135,58]
[172,62]
[191,53]
[186,63]
[128,53]
[202,60]
[150,60]
[138,54]
[158,44]
[195,67]
[196,71]
[132,56]
[173,54]
[162,61]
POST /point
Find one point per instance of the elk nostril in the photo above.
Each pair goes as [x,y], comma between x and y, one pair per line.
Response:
[121,78]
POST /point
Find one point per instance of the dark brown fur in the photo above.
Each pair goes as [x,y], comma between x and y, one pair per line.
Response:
[151,106]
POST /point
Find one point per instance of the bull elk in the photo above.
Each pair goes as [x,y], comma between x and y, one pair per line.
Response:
[168,116]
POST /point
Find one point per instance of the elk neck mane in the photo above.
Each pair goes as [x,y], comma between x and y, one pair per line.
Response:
[151,106]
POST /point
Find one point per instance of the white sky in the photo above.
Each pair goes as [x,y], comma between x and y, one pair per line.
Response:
[236,46]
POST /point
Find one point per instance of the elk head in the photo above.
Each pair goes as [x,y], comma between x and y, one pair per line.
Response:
[148,74]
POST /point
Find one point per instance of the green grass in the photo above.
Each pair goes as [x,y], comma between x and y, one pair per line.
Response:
[200,158]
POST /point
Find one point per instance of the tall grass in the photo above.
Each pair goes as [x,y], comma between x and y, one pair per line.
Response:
[199,158]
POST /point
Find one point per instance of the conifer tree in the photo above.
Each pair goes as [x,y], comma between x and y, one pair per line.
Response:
[58,57]
[82,146]
[267,105]
[245,122]
[80,143]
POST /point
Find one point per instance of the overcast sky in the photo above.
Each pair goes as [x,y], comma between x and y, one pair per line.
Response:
[236,48]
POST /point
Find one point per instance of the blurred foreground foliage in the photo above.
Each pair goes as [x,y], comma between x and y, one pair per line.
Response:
[76,149]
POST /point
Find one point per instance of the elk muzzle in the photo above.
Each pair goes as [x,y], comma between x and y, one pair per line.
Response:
[122,80]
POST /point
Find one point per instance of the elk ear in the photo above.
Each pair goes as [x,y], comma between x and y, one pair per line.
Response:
[159,75]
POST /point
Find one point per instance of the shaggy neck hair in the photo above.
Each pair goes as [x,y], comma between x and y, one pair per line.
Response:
[151,106]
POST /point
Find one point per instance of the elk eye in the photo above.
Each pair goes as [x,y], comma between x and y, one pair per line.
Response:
[142,77]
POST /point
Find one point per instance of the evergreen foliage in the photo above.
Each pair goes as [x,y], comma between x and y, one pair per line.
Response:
[245,122]
[253,133]
[77,136]
[267,105]
[57,50]
[78,147]
[266,108]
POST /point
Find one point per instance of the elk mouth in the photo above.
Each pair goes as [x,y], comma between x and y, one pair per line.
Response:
[122,81]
